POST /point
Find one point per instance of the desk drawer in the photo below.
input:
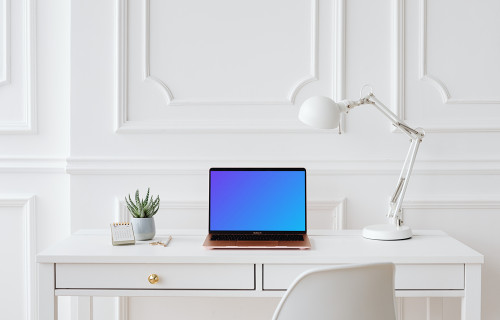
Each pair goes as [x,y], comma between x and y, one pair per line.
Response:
[170,276]
[430,277]
[281,276]
[408,277]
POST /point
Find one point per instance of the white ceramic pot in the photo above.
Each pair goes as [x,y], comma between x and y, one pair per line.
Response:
[144,228]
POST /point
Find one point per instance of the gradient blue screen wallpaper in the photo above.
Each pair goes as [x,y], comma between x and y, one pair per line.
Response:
[257,200]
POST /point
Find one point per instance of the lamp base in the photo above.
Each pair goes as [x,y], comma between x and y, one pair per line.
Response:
[387,232]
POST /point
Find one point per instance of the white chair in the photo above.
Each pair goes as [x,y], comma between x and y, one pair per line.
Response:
[353,292]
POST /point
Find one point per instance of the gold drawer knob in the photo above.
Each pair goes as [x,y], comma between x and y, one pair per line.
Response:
[153,278]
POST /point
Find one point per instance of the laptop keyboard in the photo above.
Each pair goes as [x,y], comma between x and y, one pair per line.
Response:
[258,237]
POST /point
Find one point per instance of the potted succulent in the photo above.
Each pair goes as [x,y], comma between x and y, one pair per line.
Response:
[142,212]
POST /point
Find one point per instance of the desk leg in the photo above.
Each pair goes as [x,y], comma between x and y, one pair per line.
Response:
[47,301]
[471,302]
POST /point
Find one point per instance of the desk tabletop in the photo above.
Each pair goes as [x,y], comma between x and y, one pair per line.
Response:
[345,246]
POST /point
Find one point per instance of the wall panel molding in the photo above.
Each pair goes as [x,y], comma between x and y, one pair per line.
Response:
[290,99]
[398,58]
[32,165]
[453,202]
[124,125]
[323,210]
[337,208]
[5,42]
[27,203]
[433,80]
[398,74]
[122,214]
[200,166]
[339,90]
[28,124]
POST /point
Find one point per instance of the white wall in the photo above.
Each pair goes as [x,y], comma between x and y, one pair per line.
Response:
[34,143]
[219,83]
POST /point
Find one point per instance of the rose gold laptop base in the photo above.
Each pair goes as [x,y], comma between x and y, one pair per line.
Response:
[223,244]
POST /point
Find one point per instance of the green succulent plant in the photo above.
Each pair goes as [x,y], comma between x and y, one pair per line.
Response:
[145,208]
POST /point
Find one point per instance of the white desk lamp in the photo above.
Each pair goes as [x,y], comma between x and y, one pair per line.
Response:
[324,113]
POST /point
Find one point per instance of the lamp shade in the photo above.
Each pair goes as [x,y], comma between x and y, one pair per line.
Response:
[320,112]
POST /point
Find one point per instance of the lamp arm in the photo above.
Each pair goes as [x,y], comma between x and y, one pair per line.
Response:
[416,136]
[395,212]
[398,123]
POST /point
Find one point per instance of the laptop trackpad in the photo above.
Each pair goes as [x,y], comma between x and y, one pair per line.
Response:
[256,243]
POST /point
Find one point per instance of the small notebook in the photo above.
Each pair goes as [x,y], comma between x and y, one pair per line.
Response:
[122,233]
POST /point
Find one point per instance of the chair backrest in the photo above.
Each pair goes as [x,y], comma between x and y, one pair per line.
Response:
[353,292]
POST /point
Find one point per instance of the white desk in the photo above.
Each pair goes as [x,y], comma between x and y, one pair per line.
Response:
[428,265]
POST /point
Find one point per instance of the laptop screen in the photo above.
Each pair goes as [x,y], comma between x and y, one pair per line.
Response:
[258,199]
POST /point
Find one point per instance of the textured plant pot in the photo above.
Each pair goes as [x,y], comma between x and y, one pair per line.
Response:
[144,228]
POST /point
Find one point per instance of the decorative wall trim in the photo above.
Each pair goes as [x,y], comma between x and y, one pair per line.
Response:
[28,124]
[337,208]
[27,203]
[214,126]
[454,202]
[32,165]
[339,70]
[200,166]
[290,99]
[5,45]
[398,52]
[398,95]
[433,80]
[122,214]
[121,68]
[124,125]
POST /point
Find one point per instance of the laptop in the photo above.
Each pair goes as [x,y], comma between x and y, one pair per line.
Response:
[253,208]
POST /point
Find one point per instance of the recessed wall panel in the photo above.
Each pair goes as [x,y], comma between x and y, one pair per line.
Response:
[322,216]
[257,51]
[17,67]
[446,68]
[461,53]
[223,65]
[13,295]
[4,25]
